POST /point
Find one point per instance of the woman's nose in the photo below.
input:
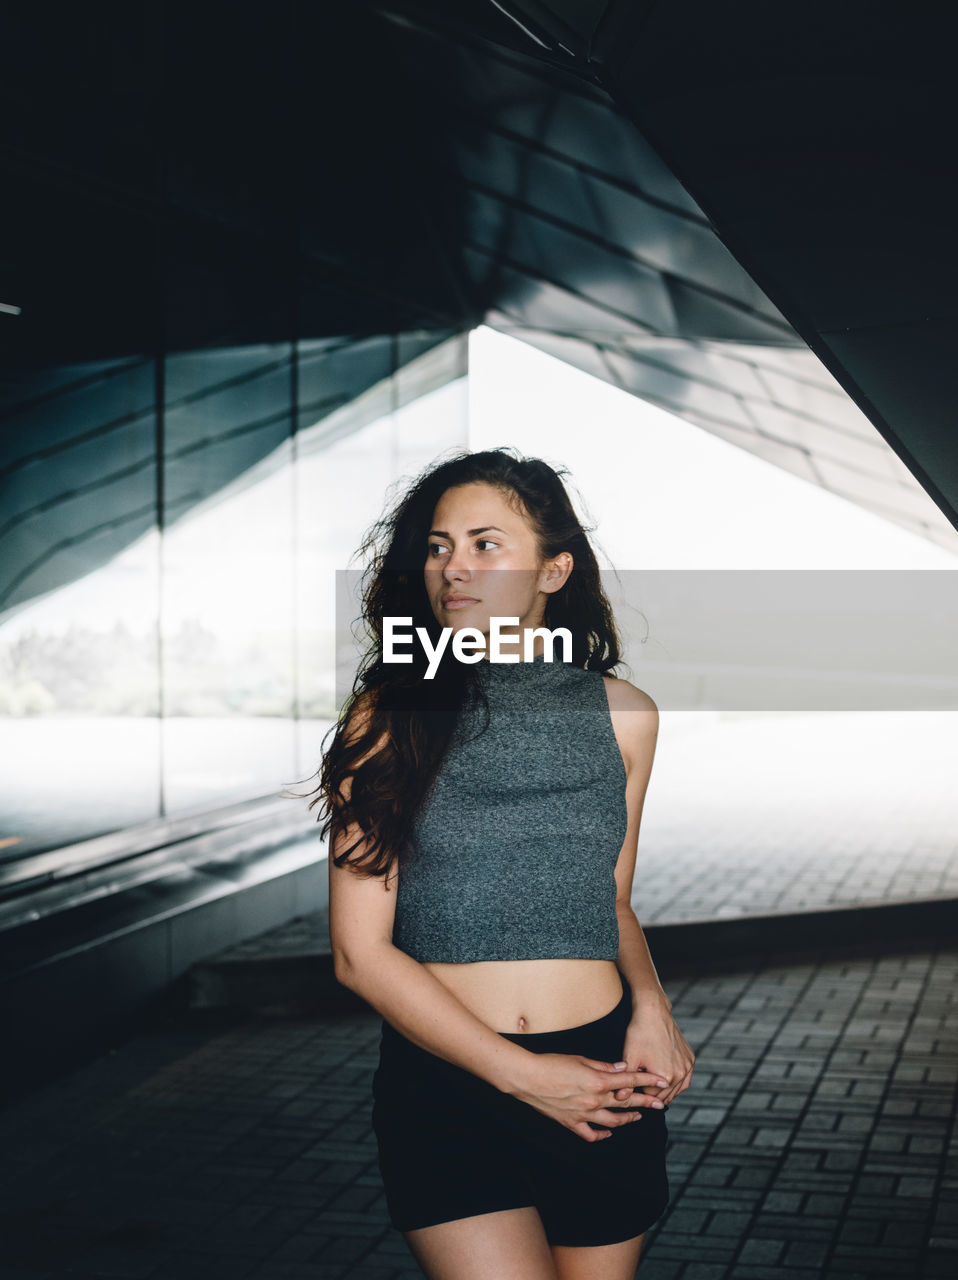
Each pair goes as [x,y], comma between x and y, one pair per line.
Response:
[455,566]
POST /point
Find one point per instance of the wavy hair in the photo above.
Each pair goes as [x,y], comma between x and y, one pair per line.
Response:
[395,727]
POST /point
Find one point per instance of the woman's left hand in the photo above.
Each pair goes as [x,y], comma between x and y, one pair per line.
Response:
[654,1043]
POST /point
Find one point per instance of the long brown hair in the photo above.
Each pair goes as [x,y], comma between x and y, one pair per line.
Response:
[395,727]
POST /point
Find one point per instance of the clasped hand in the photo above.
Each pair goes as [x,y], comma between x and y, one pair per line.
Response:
[568,1087]
[654,1043]
[574,1089]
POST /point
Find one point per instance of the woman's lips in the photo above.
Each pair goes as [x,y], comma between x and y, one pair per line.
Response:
[459,602]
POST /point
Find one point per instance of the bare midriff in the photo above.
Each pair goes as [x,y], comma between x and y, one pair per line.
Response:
[533,995]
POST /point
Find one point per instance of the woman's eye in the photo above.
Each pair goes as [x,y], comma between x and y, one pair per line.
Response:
[436,548]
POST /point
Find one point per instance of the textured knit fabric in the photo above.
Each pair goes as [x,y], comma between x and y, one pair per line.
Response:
[516,844]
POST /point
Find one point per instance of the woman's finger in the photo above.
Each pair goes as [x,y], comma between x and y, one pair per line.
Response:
[682,1085]
[652,1077]
[584,1130]
[632,1079]
[641,1101]
[616,1118]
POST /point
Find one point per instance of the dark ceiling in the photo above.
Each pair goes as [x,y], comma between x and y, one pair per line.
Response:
[742,213]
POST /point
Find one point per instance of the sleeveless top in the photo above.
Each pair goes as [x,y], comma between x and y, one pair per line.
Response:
[515,845]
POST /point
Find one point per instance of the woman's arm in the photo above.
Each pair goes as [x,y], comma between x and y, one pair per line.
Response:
[653,1040]
[404,992]
[635,962]
[361,915]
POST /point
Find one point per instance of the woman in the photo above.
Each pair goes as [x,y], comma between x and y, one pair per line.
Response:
[484,826]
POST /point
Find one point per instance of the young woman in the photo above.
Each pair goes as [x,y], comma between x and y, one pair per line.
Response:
[483,834]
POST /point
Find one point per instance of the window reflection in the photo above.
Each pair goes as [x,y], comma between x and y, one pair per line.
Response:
[153,674]
[79,694]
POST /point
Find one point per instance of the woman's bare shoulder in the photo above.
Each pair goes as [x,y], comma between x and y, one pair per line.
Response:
[625,696]
[635,721]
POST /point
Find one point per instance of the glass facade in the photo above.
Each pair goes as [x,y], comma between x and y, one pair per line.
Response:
[172,532]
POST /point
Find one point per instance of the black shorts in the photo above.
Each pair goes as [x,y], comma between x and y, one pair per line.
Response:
[451,1145]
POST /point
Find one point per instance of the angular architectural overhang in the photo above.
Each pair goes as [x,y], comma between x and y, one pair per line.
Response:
[740,213]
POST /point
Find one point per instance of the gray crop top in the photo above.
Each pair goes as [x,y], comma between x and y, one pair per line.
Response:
[515,845]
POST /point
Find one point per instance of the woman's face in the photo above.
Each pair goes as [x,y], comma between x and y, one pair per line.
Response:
[482,562]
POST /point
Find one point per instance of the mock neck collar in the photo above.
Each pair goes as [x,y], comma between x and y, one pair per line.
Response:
[535,669]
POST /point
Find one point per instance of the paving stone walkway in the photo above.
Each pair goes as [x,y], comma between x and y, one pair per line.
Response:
[750,815]
[817,1140]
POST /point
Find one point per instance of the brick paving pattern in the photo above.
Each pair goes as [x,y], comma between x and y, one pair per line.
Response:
[815,1141]
[802,812]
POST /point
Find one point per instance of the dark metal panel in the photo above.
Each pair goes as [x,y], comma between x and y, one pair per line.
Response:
[672,242]
[81,483]
[909,371]
[701,313]
[525,177]
[607,278]
[542,304]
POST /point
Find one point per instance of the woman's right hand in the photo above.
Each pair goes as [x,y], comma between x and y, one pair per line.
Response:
[574,1090]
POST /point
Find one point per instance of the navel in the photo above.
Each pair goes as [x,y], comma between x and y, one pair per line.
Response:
[522,1023]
